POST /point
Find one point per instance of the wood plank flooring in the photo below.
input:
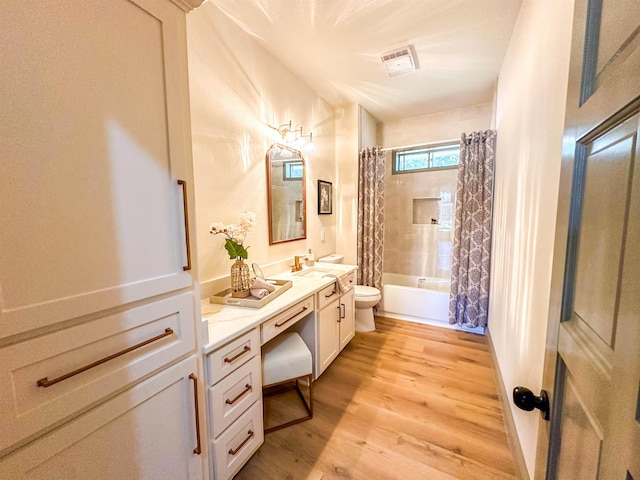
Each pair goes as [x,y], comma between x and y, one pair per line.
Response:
[408,401]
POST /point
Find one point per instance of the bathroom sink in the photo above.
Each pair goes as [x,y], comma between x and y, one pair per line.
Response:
[314,272]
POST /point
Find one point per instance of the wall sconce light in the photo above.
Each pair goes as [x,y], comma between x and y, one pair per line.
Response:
[294,138]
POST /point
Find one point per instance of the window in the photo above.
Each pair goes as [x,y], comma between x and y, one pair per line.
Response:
[420,159]
[292,171]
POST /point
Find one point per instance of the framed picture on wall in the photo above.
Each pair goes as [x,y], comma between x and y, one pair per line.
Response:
[325,198]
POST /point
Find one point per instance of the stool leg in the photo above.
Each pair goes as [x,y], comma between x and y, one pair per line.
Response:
[308,405]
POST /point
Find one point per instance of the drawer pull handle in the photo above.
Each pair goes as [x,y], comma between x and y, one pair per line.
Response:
[279,324]
[330,295]
[233,451]
[246,349]
[198,449]
[45,382]
[247,389]
[183,184]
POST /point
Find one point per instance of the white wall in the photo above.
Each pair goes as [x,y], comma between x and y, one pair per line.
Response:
[529,118]
[346,188]
[237,88]
[434,127]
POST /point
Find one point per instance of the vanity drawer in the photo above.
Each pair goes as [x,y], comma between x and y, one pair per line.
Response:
[351,278]
[230,397]
[284,320]
[234,447]
[226,359]
[327,295]
[51,377]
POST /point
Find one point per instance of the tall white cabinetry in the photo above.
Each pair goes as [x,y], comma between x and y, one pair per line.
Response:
[99,372]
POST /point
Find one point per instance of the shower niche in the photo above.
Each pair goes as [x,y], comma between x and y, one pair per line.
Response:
[433,211]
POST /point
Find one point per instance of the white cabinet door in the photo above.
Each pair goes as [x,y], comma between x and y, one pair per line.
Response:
[328,331]
[47,379]
[347,318]
[95,136]
[147,432]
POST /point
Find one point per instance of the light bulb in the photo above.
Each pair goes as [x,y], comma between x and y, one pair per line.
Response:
[310,148]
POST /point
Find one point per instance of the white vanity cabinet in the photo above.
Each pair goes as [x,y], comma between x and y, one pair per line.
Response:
[335,325]
[147,432]
[235,403]
[99,375]
[327,330]
[347,318]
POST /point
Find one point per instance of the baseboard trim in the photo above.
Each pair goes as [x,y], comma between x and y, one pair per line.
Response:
[507,415]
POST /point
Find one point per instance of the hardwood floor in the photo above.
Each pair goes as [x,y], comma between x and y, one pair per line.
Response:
[408,401]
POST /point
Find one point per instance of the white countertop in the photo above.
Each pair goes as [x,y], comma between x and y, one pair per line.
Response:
[226,322]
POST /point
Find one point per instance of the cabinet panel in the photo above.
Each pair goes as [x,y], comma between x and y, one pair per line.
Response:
[327,328]
[232,395]
[327,295]
[147,432]
[28,408]
[284,320]
[347,318]
[232,449]
[93,109]
[227,358]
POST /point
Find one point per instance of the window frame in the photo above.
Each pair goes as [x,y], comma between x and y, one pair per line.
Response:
[429,149]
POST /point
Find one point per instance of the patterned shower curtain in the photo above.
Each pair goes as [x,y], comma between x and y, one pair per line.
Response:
[370,217]
[469,298]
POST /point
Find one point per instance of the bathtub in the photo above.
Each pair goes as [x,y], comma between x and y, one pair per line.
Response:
[403,300]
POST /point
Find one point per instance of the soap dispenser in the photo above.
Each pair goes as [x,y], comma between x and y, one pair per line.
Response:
[310,258]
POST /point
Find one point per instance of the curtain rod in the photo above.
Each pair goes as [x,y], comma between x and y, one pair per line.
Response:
[441,142]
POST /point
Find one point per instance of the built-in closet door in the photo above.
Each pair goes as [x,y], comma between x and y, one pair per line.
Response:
[95,145]
[149,432]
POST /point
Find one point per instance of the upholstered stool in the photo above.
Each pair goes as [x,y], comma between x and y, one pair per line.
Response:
[285,361]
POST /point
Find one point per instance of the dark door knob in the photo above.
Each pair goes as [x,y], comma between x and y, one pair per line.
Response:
[526,400]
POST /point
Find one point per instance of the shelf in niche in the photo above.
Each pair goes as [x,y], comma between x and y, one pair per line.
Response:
[424,210]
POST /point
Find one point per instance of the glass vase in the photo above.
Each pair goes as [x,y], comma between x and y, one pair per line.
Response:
[240,280]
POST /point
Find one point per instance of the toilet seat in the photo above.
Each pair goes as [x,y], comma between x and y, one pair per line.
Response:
[363,291]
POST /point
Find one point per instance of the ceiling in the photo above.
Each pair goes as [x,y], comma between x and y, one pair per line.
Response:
[335,46]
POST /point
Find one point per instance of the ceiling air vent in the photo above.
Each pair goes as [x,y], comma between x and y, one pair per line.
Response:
[400,61]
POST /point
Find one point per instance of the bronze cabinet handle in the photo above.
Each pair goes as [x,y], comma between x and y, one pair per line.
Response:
[279,324]
[330,295]
[198,449]
[45,382]
[233,451]
[246,349]
[246,390]
[183,183]
[343,310]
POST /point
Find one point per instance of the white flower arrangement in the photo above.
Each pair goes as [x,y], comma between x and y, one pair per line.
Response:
[235,234]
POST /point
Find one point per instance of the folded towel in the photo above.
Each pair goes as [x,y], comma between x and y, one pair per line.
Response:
[260,288]
[261,284]
[259,293]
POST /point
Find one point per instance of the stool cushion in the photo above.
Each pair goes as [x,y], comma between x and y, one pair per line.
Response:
[284,358]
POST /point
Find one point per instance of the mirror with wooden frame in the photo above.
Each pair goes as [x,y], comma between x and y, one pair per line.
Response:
[286,194]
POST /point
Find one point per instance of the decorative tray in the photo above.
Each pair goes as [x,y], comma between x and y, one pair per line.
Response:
[224,297]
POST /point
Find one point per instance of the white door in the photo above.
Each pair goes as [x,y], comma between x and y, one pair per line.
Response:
[95,136]
[595,320]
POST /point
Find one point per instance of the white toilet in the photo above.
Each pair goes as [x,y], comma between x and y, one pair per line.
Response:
[366,298]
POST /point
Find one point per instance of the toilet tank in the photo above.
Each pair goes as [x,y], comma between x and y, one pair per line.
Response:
[333,258]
